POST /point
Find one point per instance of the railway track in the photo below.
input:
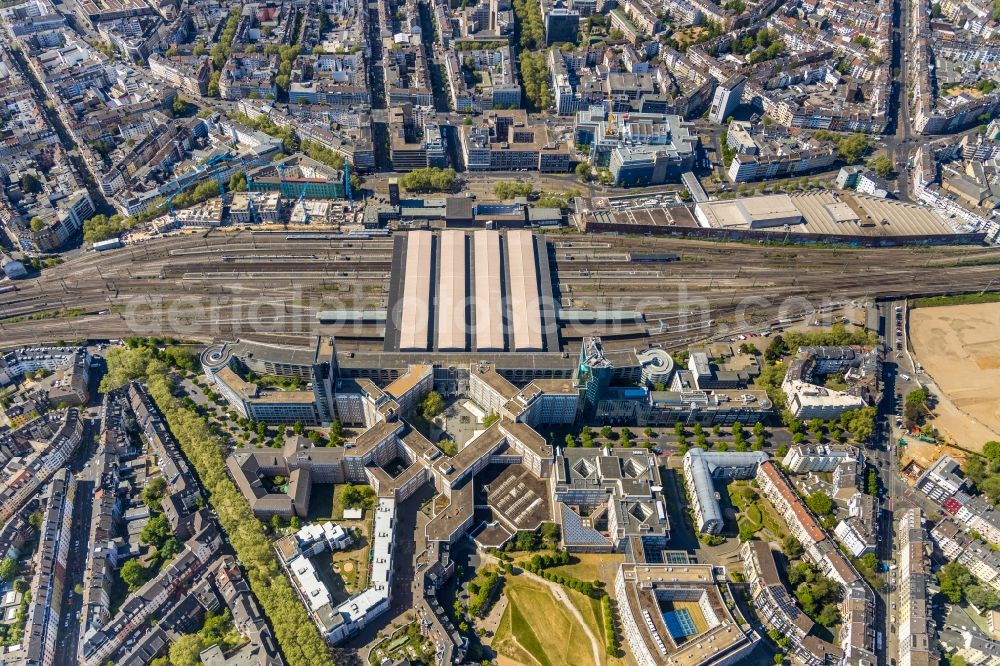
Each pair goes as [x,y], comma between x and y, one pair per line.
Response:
[142,287]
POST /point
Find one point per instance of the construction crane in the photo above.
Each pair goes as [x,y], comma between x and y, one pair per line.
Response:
[301,202]
[347,181]
[609,130]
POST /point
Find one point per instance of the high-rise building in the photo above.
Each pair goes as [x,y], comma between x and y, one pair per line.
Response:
[394,191]
[727,98]
[561,23]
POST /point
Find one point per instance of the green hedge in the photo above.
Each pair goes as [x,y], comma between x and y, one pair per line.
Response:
[609,627]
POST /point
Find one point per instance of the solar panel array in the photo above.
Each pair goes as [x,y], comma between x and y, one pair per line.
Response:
[575,532]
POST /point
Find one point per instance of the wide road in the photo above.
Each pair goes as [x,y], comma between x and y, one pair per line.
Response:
[223,284]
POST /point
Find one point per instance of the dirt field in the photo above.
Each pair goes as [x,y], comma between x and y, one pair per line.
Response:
[959,347]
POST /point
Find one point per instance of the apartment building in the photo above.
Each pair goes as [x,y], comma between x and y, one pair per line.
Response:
[702,467]
[47,586]
[249,75]
[804,458]
[916,635]
[187,73]
[777,608]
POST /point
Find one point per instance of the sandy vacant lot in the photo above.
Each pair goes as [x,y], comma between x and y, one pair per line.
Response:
[959,347]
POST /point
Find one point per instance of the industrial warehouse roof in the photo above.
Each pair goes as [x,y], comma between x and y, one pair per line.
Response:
[489,297]
[451,306]
[524,291]
[749,213]
[417,291]
[824,213]
[839,213]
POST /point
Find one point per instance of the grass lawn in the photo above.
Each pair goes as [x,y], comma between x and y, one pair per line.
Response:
[537,629]
[353,562]
[337,512]
[590,609]
[758,513]
[589,567]
[773,523]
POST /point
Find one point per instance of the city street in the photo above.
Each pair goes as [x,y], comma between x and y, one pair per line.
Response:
[70,630]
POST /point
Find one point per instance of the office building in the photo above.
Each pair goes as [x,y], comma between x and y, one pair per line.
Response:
[680,614]
[727,98]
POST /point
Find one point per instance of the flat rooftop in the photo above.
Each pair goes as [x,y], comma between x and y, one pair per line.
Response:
[519,499]
[654,593]
[657,216]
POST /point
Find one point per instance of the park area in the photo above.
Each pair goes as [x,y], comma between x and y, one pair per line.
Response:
[756,516]
[537,629]
[959,347]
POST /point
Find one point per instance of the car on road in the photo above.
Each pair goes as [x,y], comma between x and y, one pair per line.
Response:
[906,378]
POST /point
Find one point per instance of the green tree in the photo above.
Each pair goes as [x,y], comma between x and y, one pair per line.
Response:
[238,182]
[37,224]
[432,405]
[981,597]
[915,407]
[213,84]
[8,569]
[133,574]
[429,179]
[550,532]
[953,579]
[820,503]
[154,492]
[792,547]
[881,164]
[535,76]
[30,184]
[186,650]
[852,148]
[179,106]
[583,170]
[509,189]
[829,615]
[356,496]
[156,532]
